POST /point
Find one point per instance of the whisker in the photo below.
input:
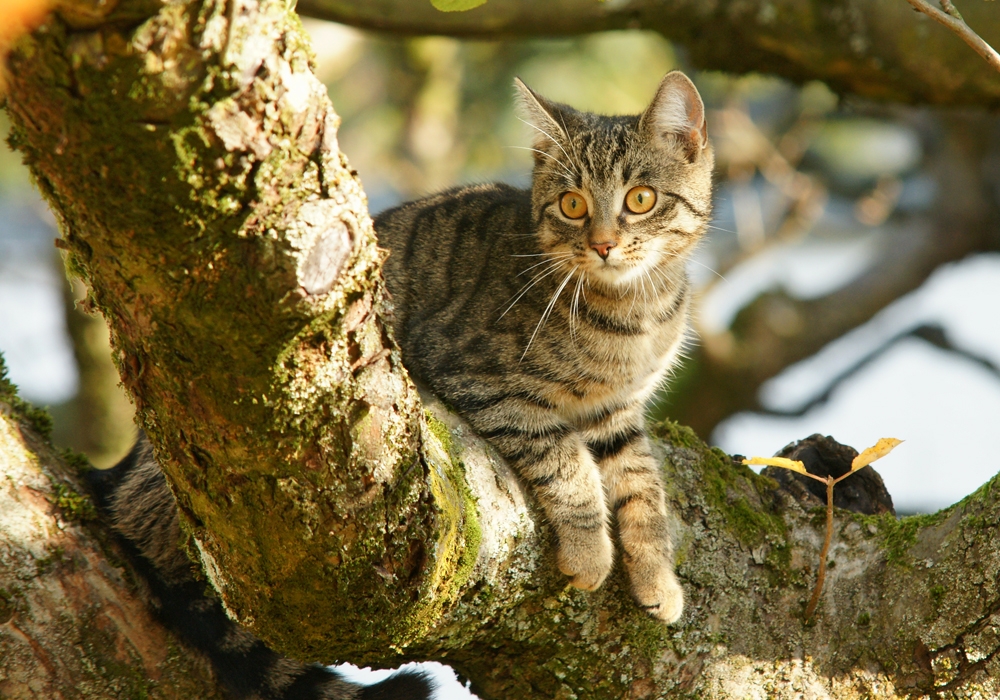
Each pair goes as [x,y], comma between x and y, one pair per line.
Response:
[552,260]
[574,309]
[535,255]
[539,129]
[654,291]
[719,228]
[528,285]
[548,310]
[635,295]
[565,167]
[562,119]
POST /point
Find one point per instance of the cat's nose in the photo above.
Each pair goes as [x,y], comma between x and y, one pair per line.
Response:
[603,248]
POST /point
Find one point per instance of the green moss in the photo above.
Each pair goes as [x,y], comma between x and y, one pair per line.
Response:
[458,544]
[679,435]
[76,507]
[778,563]
[55,557]
[864,619]
[77,461]
[898,536]
[937,594]
[735,492]
[38,418]
[441,432]
[725,485]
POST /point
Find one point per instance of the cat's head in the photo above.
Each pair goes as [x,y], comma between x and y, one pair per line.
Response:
[617,196]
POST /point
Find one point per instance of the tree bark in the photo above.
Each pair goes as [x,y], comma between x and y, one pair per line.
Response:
[191,157]
[71,624]
[876,48]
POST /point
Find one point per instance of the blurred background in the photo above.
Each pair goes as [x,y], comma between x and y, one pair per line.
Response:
[846,286]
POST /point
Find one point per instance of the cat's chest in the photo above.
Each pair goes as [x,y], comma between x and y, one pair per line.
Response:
[608,370]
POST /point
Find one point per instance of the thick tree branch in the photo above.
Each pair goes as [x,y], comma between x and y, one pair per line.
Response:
[875,48]
[205,127]
[71,626]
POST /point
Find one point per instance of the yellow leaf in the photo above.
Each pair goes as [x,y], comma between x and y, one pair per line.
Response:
[793,464]
[877,451]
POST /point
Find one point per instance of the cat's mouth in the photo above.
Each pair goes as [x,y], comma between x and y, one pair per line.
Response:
[616,272]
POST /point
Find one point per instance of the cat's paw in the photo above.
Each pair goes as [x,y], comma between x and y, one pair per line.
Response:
[658,593]
[586,557]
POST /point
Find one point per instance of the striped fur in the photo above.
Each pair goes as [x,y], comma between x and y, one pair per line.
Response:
[135,497]
[505,309]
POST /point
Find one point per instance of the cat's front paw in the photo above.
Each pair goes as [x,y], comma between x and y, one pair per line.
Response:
[658,592]
[586,557]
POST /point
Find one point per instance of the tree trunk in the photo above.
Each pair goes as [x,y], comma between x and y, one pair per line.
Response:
[192,159]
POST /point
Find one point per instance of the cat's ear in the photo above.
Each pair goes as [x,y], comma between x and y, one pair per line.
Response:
[544,116]
[677,114]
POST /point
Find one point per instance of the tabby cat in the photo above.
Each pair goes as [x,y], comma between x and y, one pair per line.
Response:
[548,318]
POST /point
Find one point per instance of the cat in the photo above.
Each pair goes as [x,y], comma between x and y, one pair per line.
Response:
[547,318]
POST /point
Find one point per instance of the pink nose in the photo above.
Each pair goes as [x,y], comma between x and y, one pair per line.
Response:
[603,248]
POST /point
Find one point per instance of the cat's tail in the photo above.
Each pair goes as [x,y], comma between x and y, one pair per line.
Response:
[135,498]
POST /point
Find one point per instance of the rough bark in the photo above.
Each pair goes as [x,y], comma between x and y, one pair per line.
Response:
[191,157]
[876,48]
[71,624]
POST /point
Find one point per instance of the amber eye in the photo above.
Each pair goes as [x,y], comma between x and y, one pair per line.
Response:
[639,200]
[573,205]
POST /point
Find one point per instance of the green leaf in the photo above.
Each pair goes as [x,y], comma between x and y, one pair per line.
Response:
[456,5]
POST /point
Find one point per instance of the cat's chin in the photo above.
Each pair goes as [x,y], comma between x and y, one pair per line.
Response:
[616,276]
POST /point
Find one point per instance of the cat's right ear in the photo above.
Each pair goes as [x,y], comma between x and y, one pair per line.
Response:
[544,116]
[677,114]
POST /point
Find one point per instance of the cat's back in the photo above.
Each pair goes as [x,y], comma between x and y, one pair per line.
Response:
[445,247]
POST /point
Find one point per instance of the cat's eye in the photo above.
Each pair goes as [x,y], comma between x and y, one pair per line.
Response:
[640,199]
[573,205]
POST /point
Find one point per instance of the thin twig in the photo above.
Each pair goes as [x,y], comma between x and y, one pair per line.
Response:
[956,24]
[814,601]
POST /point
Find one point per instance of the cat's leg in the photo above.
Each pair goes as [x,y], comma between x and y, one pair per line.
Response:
[556,463]
[635,491]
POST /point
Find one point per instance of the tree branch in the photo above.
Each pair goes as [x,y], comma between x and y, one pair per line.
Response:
[930,333]
[70,624]
[951,18]
[872,48]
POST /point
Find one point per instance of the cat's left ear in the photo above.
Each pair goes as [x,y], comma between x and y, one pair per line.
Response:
[543,115]
[677,114]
